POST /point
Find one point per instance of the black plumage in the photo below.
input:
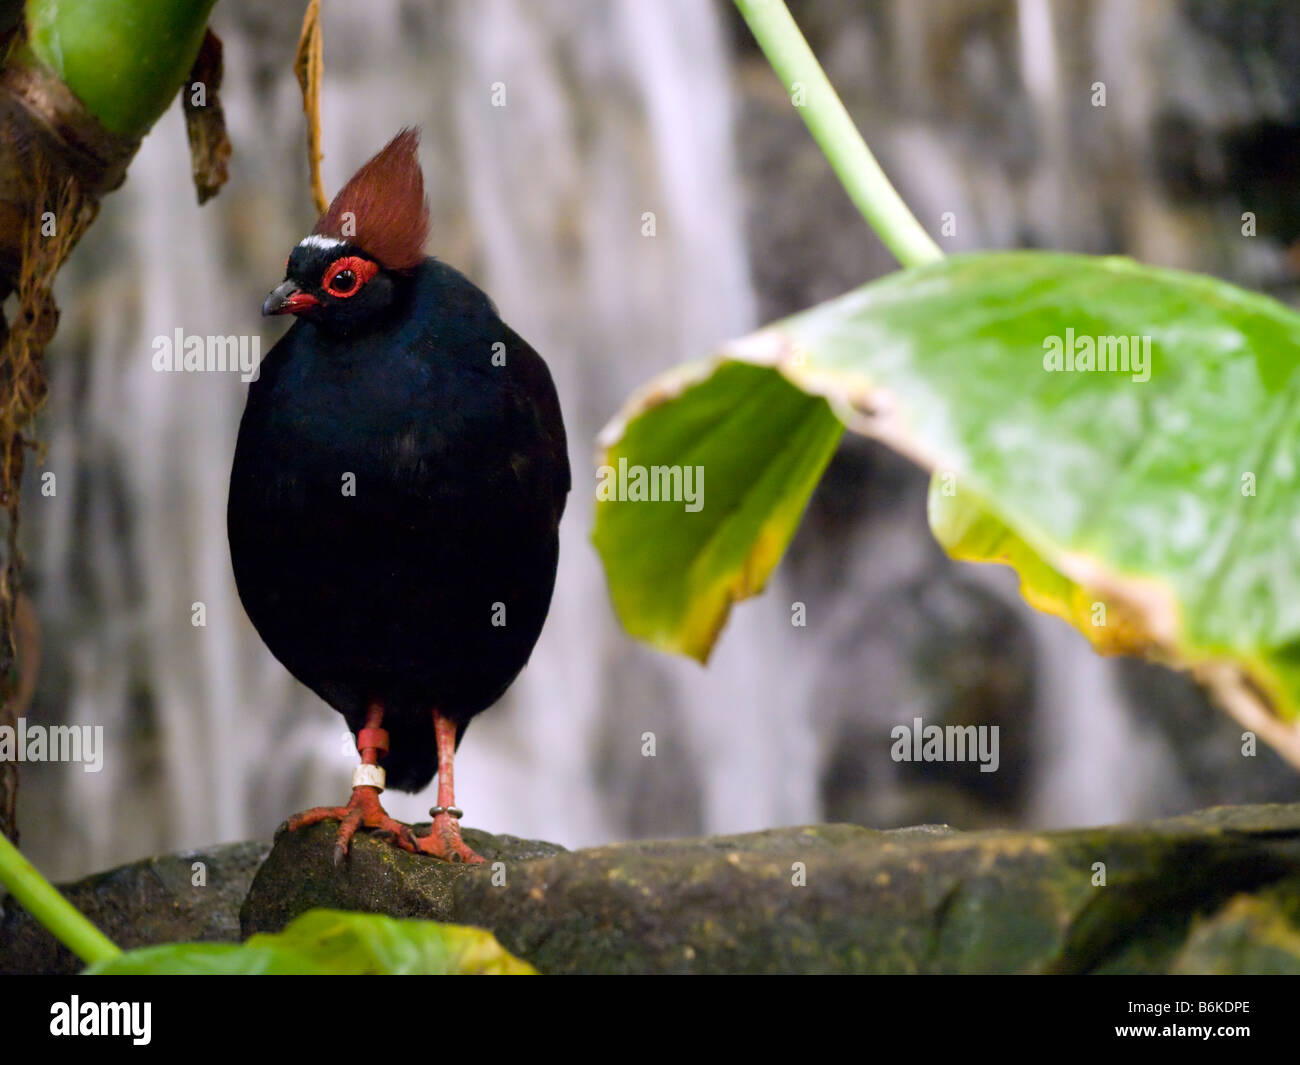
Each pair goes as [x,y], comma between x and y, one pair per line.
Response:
[394,510]
[397,487]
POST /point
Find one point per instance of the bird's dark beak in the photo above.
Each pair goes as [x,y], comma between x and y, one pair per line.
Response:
[287,298]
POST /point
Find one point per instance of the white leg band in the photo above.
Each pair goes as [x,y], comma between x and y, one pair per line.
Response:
[368,776]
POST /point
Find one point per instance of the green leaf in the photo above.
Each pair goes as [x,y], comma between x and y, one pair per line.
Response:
[762,445]
[324,942]
[1124,489]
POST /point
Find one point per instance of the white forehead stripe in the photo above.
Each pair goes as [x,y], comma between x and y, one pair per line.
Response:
[317,241]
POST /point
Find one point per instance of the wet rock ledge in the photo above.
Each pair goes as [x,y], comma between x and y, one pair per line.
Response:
[1216,891]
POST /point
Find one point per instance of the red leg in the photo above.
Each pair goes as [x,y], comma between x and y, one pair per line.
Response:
[363,809]
[444,841]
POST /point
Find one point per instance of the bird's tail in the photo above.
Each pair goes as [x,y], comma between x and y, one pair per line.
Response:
[412,759]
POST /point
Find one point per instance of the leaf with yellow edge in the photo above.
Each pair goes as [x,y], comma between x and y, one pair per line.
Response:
[331,942]
[1153,470]
[751,447]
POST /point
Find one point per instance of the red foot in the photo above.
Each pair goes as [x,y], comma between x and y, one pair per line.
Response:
[362,811]
[444,842]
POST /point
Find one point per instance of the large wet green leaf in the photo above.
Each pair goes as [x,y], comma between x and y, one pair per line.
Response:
[323,942]
[1153,504]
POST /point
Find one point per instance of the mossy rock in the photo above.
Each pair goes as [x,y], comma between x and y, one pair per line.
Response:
[1213,892]
[1216,891]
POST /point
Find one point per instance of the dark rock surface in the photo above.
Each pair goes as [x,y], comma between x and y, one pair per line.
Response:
[376,877]
[1217,891]
[153,901]
[1212,892]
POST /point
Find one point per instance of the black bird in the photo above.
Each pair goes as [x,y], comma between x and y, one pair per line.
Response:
[396,494]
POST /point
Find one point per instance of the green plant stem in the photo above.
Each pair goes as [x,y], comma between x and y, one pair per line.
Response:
[42,900]
[824,114]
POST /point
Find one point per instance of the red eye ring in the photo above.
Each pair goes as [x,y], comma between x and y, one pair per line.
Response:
[362,270]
